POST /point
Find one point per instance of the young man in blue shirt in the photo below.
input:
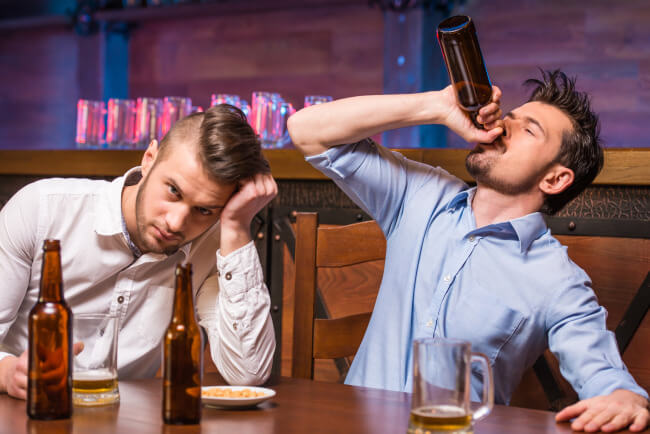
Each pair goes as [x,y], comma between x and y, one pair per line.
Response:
[479,264]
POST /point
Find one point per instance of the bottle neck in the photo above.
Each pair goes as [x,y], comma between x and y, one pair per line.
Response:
[51,280]
[183,298]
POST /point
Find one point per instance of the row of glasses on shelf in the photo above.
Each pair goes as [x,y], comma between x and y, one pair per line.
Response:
[129,124]
[133,124]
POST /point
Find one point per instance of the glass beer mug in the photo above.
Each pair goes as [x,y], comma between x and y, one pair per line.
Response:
[465,64]
[442,386]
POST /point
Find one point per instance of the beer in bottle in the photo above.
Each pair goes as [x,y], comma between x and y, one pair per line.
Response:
[465,65]
[183,356]
[49,380]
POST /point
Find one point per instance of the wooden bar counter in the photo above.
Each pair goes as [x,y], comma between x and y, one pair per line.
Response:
[622,166]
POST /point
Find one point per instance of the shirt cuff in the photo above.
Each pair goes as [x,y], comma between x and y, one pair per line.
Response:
[3,355]
[607,381]
[239,271]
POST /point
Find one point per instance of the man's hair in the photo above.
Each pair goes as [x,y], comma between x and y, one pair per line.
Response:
[229,149]
[581,149]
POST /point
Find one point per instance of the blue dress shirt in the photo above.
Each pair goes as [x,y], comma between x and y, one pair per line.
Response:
[508,288]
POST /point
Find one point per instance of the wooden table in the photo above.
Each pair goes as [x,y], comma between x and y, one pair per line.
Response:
[300,406]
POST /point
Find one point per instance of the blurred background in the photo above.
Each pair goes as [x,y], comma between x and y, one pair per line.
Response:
[53,53]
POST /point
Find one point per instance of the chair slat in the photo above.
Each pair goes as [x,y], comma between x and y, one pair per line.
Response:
[339,337]
[350,244]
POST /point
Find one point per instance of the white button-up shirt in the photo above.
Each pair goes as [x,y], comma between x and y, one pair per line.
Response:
[101,275]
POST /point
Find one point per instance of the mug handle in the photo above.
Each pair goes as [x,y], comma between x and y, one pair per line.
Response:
[487,397]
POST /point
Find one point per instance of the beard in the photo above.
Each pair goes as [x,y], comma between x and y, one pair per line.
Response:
[480,164]
[142,225]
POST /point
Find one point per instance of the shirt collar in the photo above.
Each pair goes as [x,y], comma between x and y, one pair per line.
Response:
[527,228]
[108,206]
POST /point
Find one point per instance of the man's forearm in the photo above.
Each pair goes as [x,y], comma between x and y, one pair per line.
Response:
[348,120]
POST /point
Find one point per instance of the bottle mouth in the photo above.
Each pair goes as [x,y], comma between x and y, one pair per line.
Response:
[453,24]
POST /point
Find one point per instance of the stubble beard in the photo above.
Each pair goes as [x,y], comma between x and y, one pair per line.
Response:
[480,165]
[141,224]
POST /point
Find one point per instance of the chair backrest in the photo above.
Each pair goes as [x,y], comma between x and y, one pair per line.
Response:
[319,248]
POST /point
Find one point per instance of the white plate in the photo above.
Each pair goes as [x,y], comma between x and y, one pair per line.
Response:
[221,401]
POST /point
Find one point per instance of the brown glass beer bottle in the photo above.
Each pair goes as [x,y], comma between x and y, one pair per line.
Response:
[49,380]
[183,359]
[465,64]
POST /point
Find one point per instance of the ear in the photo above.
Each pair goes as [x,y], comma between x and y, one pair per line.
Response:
[557,179]
[149,157]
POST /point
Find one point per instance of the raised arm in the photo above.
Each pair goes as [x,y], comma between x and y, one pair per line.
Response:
[318,127]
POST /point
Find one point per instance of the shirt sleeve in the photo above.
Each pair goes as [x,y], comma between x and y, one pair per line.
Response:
[234,308]
[18,234]
[379,180]
[588,353]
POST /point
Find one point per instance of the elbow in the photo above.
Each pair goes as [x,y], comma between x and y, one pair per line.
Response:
[294,127]
[248,377]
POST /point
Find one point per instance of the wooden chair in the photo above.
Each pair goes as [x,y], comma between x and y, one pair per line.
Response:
[318,248]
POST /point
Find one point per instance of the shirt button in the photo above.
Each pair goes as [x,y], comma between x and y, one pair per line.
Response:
[430,323]
[447,278]
[120,299]
[471,239]
[234,325]
[228,276]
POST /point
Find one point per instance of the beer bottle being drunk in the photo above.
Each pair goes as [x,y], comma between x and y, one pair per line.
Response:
[49,379]
[183,359]
[465,65]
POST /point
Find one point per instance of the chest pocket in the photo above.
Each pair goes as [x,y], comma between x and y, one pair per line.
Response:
[481,318]
[155,315]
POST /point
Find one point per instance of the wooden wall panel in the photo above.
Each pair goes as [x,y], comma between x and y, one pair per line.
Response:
[335,51]
[38,94]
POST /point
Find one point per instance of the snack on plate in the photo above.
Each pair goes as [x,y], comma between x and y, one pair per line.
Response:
[219,392]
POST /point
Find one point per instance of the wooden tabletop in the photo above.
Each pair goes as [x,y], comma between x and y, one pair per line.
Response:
[300,406]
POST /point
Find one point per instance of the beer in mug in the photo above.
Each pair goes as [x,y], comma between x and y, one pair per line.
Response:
[49,379]
[183,356]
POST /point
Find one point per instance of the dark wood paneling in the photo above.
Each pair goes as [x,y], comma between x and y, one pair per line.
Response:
[335,51]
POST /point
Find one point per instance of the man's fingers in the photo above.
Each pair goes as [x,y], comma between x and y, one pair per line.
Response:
[496,93]
[640,421]
[583,420]
[488,136]
[17,392]
[602,418]
[77,347]
[20,380]
[271,186]
[618,422]
[571,411]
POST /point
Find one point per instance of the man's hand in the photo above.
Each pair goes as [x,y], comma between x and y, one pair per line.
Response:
[13,373]
[608,413]
[252,196]
[489,116]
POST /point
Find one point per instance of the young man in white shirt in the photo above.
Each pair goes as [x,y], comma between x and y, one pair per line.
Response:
[192,200]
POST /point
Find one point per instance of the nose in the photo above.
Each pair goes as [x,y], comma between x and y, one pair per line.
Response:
[176,218]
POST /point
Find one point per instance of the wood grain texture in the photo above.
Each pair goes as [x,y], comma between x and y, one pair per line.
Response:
[300,406]
[304,294]
[318,248]
[622,166]
[334,50]
[349,245]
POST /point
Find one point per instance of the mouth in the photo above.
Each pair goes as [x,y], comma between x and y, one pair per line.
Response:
[164,235]
[497,145]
